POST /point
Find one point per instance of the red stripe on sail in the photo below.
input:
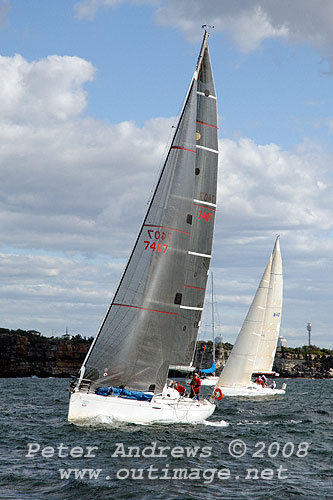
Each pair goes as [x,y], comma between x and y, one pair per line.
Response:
[195,287]
[208,124]
[205,206]
[184,149]
[165,227]
[145,309]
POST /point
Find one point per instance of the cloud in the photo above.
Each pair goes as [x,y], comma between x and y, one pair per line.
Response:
[272,188]
[247,22]
[38,91]
[264,191]
[66,183]
[74,191]
[5,7]
[87,9]
[250,22]
[44,290]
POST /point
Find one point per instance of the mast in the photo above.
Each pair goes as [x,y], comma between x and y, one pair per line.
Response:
[213,321]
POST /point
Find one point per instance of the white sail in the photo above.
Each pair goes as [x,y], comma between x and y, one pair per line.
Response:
[255,346]
[239,366]
[272,320]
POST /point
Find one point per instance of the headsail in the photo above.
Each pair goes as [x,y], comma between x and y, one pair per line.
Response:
[203,209]
[239,366]
[255,345]
[160,295]
[272,320]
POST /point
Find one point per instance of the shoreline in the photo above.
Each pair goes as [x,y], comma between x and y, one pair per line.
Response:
[29,354]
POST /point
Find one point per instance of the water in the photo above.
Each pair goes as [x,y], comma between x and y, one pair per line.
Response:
[273,436]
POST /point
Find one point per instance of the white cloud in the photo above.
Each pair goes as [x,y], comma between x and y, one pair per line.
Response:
[79,186]
[86,9]
[51,293]
[42,90]
[247,22]
[66,183]
[274,188]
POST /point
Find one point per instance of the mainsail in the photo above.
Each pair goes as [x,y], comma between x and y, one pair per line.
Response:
[272,320]
[158,302]
[252,347]
[203,210]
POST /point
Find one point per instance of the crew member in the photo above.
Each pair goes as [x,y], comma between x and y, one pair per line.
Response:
[195,386]
[179,388]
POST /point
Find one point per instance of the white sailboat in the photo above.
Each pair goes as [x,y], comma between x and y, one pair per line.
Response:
[154,317]
[258,336]
[255,346]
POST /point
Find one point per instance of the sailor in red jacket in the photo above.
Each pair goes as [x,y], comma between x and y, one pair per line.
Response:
[179,388]
[195,386]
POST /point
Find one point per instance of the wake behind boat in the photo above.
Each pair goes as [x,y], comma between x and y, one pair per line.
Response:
[155,314]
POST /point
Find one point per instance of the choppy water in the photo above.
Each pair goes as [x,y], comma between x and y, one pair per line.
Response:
[276,462]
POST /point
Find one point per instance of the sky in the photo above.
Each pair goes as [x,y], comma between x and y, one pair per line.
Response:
[89,92]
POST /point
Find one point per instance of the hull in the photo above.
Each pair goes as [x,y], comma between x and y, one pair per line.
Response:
[159,410]
[252,390]
[209,381]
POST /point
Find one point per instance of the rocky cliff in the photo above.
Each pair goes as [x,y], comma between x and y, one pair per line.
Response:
[309,362]
[27,353]
[24,354]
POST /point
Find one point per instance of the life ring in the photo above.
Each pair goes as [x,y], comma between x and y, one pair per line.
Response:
[218,394]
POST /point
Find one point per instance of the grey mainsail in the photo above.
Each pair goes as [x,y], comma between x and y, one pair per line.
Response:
[204,208]
[159,299]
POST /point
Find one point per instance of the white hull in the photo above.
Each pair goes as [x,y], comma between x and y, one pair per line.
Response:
[160,409]
[252,390]
[209,381]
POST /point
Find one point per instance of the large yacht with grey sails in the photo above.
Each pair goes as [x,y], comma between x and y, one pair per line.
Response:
[154,317]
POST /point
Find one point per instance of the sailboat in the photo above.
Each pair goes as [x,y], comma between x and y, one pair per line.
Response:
[154,316]
[256,342]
